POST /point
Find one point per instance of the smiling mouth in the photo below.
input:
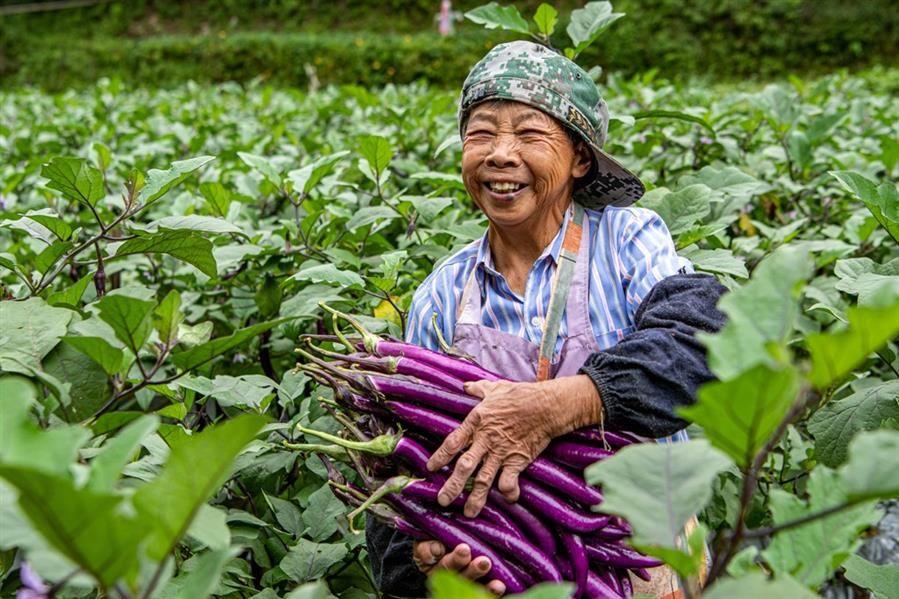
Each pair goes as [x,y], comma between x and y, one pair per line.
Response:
[504,187]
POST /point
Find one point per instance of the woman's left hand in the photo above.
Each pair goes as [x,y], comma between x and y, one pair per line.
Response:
[509,428]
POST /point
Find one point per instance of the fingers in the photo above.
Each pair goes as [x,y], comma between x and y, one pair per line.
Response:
[478,388]
[508,482]
[453,444]
[426,554]
[476,568]
[496,587]
[457,560]
[482,483]
[465,467]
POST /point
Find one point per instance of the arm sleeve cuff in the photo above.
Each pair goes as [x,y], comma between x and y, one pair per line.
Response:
[659,367]
[390,553]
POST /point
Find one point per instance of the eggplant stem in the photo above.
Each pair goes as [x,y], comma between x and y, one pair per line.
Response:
[343,339]
[333,451]
[382,445]
[444,346]
[369,339]
[391,485]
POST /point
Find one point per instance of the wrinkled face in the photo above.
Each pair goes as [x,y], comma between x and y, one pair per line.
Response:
[518,163]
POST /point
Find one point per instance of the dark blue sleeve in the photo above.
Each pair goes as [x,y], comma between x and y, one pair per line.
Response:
[390,553]
[661,364]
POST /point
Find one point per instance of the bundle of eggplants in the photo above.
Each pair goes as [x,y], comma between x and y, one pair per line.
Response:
[400,401]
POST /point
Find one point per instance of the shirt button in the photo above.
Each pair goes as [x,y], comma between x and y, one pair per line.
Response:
[537,321]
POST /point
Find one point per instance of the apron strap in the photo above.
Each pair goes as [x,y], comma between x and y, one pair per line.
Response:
[559,295]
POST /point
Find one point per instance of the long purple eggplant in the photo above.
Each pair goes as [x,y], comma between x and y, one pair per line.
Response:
[450,535]
[577,556]
[515,546]
[527,521]
[616,439]
[575,455]
[428,490]
[619,556]
[599,589]
[422,393]
[627,587]
[460,369]
[541,469]
[567,516]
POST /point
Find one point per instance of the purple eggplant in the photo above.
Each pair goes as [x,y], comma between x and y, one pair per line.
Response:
[515,546]
[599,589]
[451,535]
[575,455]
[577,556]
[619,556]
[567,516]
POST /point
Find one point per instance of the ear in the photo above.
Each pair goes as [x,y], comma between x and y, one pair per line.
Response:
[583,160]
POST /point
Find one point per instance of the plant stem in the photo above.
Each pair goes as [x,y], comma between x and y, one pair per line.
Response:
[750,481]
[776,528]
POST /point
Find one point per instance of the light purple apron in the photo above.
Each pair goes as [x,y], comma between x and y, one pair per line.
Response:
[518,359]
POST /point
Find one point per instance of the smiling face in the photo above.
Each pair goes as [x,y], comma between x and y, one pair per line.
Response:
[519,164]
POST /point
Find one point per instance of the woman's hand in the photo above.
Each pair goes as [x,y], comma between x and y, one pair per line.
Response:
[509,428]
[431,555]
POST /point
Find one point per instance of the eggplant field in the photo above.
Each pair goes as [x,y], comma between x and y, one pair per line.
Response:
[205,288]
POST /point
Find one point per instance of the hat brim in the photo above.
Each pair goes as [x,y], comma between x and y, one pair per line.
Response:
[611,184]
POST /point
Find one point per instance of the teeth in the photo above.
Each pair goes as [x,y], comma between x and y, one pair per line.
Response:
[504,187]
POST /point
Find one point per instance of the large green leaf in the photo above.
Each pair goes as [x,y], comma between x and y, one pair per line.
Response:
[588,23]
[376,151]
[322,514]
[195,356]
[194,470]
[263,166]
[23,443]
[739,415]
[88,384]
[882,580]
[834,355]
[195,222]
[328,273]
[545,19]
[87,527]
[870,472]
[761,314]
[106,466]
[494,16]
[308,560]
[757,586]
[168,317]
[882,200]
[810,552]
[306,178]
[129,317]
[159,182]
[31,328]
[446,584]
[109,357]
[180,243]
[837,423]
[200,575]
[658,487]
[679,209]
[247,391]
[719,261]
[76,179]
[52,221]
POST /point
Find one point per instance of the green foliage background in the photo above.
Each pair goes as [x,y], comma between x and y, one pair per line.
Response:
[163,248]
[372,43]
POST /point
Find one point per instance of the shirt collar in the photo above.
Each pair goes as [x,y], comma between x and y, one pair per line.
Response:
[485,264]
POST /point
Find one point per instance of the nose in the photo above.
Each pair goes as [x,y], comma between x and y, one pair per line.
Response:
[504,152]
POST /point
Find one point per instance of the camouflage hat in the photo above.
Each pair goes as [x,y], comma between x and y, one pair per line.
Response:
[538,76]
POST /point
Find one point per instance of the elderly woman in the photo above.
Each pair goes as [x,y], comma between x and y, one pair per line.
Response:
[580,298]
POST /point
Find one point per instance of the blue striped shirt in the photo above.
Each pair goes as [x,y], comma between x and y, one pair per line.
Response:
[630,251]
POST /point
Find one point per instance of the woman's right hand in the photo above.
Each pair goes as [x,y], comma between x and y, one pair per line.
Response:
[430,556]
